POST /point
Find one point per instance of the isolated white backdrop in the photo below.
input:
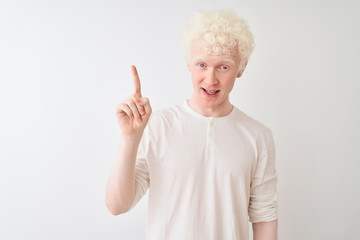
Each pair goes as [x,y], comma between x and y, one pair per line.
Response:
[64,65]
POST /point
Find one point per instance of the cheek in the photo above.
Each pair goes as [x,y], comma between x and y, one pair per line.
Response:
[196,77]
[229,83]
[194,80]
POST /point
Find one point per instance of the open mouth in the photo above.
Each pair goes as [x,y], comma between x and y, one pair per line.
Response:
[210,92]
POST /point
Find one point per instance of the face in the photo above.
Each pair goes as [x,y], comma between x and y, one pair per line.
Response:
[213,78]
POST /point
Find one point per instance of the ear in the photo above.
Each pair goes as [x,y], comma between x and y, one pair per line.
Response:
[241,71]
[187,60]
[188,66]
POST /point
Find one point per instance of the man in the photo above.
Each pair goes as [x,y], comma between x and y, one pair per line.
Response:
[209,167]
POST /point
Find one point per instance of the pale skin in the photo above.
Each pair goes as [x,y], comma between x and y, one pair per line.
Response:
[132,115]
[210,73]
[265,230]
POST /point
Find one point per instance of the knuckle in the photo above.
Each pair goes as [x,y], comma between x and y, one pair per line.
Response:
[137,115]
[138,101]
[134,109]
[131,103]
[119,107]
[125,102]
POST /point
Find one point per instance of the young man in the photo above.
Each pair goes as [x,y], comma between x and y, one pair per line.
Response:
[209,167]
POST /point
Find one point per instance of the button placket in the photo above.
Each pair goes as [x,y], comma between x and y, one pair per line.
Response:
[210,133]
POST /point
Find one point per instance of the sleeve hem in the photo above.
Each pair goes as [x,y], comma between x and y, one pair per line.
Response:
[266,219]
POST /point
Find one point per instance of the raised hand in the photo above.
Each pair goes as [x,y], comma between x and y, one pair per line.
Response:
[134,112]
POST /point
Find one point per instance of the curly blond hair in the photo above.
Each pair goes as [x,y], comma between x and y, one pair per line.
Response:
[219,32]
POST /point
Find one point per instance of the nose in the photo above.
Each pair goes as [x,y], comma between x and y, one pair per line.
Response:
[211,78]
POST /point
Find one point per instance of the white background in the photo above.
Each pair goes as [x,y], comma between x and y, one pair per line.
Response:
[64,65]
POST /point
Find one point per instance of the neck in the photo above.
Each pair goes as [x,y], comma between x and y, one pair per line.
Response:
[218,111]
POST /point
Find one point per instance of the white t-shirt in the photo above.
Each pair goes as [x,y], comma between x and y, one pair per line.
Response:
[207,176]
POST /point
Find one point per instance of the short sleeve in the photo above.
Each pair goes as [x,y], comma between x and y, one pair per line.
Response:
[142,179]
[263,204]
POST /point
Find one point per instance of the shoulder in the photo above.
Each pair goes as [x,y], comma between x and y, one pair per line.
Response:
[161,123]
[166,117]
[253,126]
[169,114]
[258,133]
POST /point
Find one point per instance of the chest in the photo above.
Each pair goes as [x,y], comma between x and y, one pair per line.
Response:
[205,150]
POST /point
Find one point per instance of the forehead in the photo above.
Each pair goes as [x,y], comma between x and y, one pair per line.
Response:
[198,53]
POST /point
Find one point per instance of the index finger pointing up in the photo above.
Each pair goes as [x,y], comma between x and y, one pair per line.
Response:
[136,79]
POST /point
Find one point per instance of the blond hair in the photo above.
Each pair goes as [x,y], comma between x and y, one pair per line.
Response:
[219,32]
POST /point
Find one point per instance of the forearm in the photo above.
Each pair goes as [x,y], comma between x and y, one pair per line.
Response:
[265,230]
[120,187]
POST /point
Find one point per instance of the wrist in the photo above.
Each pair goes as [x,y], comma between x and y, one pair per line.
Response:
[131,138]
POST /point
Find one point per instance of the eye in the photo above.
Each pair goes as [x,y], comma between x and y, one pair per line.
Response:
[202,65]
[224,67]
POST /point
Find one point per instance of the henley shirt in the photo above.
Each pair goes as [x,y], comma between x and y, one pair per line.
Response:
[207,176]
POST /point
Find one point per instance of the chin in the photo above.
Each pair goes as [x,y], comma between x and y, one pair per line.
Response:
[210,104]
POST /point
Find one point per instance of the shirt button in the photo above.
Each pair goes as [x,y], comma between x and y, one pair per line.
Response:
[211,123]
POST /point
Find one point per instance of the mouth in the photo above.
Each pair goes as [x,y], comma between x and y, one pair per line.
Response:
[210,92]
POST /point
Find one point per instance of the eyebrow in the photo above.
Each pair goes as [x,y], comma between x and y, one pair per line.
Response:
[202,59]
[197,59]
[228,60]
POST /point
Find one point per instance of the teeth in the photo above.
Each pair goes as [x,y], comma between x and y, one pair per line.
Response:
[210,92]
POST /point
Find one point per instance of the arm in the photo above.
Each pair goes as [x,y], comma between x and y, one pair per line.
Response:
[120,188]
[265,230]
[263,205]
[133,114]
